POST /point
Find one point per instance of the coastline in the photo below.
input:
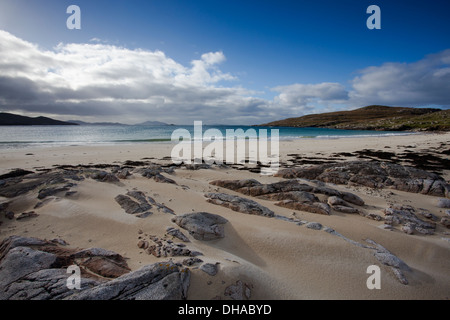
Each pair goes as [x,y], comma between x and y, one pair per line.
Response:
[277,259]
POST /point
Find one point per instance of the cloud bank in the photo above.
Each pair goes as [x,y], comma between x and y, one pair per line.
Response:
[101,82]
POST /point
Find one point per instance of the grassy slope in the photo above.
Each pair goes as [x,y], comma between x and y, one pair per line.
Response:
[375,118]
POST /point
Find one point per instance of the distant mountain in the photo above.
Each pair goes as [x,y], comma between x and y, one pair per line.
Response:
[382,118]
[82,123]
[9,119]
[152,123]
[146,123]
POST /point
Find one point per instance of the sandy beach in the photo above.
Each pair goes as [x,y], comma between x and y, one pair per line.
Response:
[276,258]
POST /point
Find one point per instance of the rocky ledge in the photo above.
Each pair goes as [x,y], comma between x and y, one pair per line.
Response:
[290,194]
[35,269]
[373,174]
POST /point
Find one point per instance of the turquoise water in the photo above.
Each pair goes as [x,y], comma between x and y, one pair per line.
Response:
[26,136]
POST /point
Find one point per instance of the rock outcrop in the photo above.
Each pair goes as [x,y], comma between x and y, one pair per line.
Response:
[373,174]
[239,204]
[398,267]
[155,172]
[202,225]
[36,269]
[239,291]
[406,217]
[290,194]
[139,207]
[137,203]
[159,281]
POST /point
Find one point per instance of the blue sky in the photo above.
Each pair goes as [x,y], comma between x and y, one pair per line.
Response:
[240,62]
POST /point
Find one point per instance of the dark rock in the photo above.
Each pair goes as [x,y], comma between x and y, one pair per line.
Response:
[160,207]
[197,166]
[14,187]
[238,291]
[341,205]
[202,225]
[408,228]
[104,176]
[352,198]
[292,193]
[159,281]
[209,268]
[298,196]
[4,206]
[166,248]
[429,215]
[26,215]
[154,172]
[60,242]
[405,216]
[15,173]
[191,261]
[313,207]
[144,214]
[177,234]
[443,203]
[373,174]
[142,244]
[138,195]
[9,215]
[35,269]
[370,215]
[314,225]
[130,206]
[239,204]
[254,188]
[124,173]
[47,192]
[445,221]
[388,258]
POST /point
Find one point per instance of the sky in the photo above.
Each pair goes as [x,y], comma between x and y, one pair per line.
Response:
[220,62]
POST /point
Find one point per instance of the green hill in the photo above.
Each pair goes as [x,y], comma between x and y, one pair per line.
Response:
[382,118]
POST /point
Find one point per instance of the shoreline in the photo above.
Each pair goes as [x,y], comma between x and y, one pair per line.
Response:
[47,156]
[276,257]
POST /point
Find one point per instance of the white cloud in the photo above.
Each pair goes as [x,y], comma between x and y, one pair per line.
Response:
[114,83]
[421,83]
[98,79]
[304,94]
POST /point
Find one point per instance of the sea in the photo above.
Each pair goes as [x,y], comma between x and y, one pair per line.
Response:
[14,137]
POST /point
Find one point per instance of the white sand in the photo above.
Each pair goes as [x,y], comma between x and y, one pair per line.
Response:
[279,259]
